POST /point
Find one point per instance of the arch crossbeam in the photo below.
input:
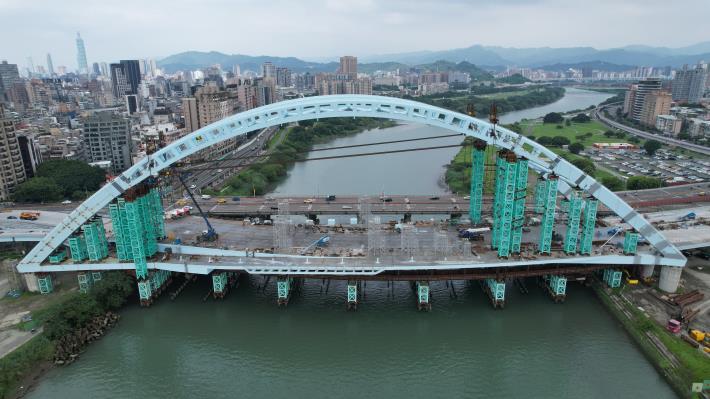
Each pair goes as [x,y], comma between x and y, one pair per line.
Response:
[541,159]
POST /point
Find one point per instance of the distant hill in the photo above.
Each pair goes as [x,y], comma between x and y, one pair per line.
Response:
[494,58]
[192,60]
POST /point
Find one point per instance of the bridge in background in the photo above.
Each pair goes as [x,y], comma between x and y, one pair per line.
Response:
[137,226]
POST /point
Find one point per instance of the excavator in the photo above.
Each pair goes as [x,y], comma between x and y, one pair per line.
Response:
[209,235]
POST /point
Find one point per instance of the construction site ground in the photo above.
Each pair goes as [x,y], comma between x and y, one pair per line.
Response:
[13,332]
[696,276]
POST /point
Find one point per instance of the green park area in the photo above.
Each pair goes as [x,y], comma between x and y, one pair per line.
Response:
[586,133]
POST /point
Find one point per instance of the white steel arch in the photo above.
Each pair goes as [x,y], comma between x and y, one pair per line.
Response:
[540,159]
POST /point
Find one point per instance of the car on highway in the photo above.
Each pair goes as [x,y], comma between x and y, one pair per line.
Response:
[65,202]
[12,217]
[205,197]
[236,199]
[219,171]
[434,198]
[347,207]
[386,199]
[308,201]
[192,187]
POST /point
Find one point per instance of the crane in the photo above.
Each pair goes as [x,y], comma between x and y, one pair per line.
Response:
[321,242]
[210,234]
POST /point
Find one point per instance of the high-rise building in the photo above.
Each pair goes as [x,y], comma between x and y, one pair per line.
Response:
[689,84]
[348,66]
[50,65]
[31,154]
[95,69]
[268,70]
[210,104]
[283,77]
[236,71]
[12,170]
[656,103]
[107,137]
[636,96]
[81,55]
[9,74]
[125,77]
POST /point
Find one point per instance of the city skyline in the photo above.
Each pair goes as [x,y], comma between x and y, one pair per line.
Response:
[363,27]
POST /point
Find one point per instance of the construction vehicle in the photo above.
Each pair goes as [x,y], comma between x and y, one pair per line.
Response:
[473,234]
[673,326]
[687,217]
[29,215]
[629,280]
[210,234]
[698,335]
[319,243]
[221,201]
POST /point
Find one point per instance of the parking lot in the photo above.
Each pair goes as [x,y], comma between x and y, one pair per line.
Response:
[670,167]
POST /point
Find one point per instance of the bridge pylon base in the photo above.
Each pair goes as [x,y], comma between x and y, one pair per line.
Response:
[495,290]
[352,295]
[423,295]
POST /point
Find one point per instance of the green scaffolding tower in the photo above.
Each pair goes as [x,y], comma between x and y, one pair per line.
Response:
[547,224]
[77,247]
[574,213]
[631,240]
[540,196]
[136,237]
[478,169]
[95,239]
[521,188]
[504,202]
[589,220]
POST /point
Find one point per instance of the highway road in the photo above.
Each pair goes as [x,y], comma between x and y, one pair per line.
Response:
[228,167]
[668,140]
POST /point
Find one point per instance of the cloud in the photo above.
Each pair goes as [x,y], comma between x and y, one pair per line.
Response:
[326,28]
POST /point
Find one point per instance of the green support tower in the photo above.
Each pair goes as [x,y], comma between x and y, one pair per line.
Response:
[145,292]
[478,169]
[574,213]
[557,287]
[283,289]
[85,282]
[96,276]
[58,256]
[589,221]
[496,292]
[45,284]
[612,278]
[219,284]
[504,202]
[540,196]
[521,188]
[631,240]
[136,235]
[352,295]
[77,247]
[423,295]
[547,224]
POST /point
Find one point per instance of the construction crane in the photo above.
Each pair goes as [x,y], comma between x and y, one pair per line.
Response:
[210,234]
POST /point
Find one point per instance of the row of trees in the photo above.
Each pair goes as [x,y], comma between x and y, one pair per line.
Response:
[60,178]
[457,102]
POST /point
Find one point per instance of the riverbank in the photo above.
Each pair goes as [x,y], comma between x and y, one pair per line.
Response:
[291,146]
[64,329]
[680,364]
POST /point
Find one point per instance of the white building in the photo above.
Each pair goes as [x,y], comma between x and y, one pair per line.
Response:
[668,124]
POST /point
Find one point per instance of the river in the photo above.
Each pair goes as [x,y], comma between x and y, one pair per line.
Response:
[245,346]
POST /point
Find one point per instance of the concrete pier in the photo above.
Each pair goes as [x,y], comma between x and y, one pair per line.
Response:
[670,277]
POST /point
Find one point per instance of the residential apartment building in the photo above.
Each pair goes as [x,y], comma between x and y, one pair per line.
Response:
[689,84]
[107,137]
[348,67]
[698,127]
[12,170]
[208,105]
[655,103]
[9,75]
[668,124]
[636,95]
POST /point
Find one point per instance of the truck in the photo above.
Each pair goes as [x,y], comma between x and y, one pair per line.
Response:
[29,215]
[686,217]
[473,234]
[673,326]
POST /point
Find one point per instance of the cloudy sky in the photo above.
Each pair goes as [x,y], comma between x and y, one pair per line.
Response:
[314,29]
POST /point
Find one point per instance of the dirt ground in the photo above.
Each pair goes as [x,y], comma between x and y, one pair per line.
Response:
[13,309]
[696,275]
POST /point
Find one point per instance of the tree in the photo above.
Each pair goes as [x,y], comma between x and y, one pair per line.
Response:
[559,141]
[613,183]
[585,165]
[581,118]
[683,136]
[634,140]
[112,291]
[553,117]
[568,122]
[576,148]
[609,133]
[38,189]
[651,146]
[643,182]
[72,175]
[545,140]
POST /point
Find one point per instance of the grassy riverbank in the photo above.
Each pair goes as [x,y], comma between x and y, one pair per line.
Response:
[681,365]
[59,319]
[290,146]
[506,100]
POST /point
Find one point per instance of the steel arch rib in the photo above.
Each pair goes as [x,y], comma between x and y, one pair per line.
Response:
[541,159]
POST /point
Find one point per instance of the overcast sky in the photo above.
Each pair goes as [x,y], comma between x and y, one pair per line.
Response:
[313,29]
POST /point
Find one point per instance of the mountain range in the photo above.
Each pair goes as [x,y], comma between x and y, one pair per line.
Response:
[491,57]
